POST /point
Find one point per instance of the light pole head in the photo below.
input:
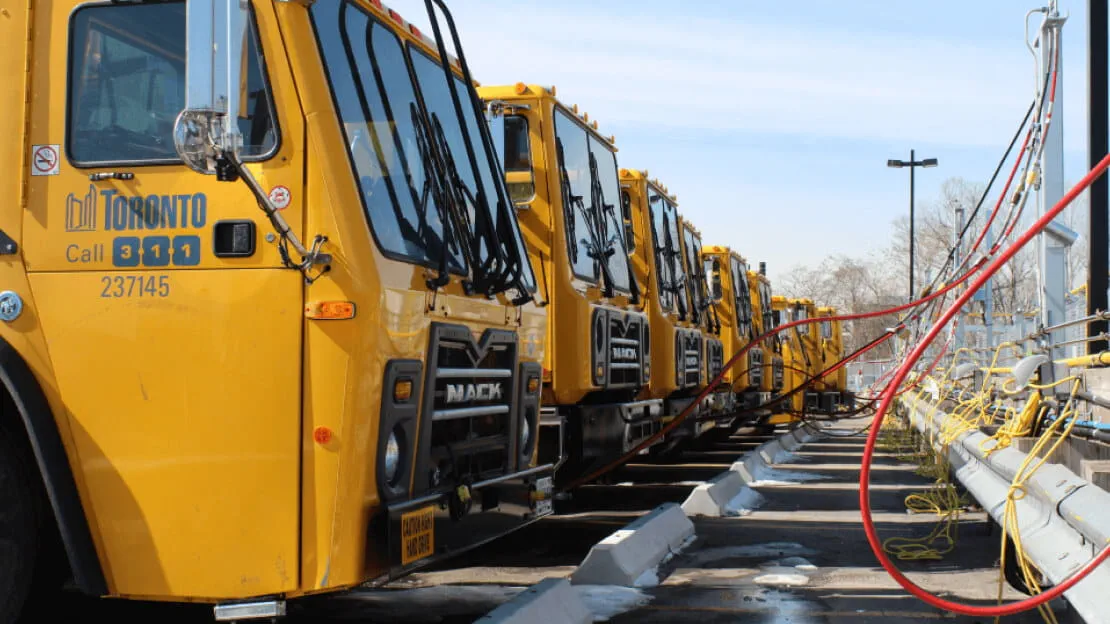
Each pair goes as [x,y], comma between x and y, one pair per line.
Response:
[897,164]
[929,162]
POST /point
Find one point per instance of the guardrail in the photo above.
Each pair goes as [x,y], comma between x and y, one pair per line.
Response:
[1063,519]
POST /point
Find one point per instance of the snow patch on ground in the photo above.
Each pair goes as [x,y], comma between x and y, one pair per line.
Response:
[608,601]
[782,579]
[744,503]
[766,475]
[799,563]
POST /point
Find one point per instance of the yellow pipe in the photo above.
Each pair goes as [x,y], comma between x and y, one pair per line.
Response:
[1098,359]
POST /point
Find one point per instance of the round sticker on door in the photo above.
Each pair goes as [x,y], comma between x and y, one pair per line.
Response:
[280,197]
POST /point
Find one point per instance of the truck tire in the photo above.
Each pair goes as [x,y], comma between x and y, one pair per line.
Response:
[19,534]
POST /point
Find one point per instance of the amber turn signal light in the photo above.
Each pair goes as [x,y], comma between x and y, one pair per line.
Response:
[402,390]
[330,310]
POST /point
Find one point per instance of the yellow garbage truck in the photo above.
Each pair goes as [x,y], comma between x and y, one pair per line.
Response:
[268,326]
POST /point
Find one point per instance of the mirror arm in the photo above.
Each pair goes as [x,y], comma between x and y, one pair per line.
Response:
[310,257]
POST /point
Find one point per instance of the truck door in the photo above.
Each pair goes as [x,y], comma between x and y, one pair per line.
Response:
[173,328]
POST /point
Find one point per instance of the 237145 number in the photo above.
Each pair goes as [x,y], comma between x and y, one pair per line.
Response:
[119,286]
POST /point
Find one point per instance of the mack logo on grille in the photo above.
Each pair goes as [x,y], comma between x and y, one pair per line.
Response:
[624,354]
[465,393]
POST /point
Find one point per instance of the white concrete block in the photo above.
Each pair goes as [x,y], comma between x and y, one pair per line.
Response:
[749,466]
[712,498]
[551,601]
[626,554]
[770,451]
[790,442]
[801,436]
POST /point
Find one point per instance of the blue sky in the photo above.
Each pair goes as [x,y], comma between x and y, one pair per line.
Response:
[773,121]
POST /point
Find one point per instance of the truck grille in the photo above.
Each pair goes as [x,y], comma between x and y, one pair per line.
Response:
[618,350]
[755,367]
[715,356]
[688,357]
[466,415]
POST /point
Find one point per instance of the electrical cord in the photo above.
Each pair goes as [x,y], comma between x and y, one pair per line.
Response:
[902,373]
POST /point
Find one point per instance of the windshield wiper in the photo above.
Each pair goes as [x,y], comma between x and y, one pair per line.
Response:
[510,265]
[597,198]
[433,190]
[594,248]
[678,284]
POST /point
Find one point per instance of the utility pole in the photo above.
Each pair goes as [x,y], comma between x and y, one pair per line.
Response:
[1053,243]
[1098,109]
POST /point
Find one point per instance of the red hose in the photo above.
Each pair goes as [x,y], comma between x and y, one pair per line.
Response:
[888,396]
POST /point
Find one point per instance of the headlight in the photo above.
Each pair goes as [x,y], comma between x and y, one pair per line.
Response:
[525,434]
[392,458]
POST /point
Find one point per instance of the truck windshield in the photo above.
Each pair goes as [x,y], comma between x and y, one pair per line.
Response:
[668,261]
[693,267]
[409,149]
[588,171]
[742,295]
[765,305]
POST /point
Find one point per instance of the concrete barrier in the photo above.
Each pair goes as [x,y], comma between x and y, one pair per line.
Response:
[625,555]
[726,495]
[712,498]
[551,601]
[770,451]
[802,435]
[790,442]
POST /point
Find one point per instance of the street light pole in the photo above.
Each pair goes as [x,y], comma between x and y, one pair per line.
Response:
[912,163]
[912,239]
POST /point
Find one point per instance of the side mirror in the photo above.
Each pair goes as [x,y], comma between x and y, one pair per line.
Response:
[206,133]
[510,139]
[713,273]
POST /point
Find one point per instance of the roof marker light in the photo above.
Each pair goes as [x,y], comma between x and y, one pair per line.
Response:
[395,16]
[520,88]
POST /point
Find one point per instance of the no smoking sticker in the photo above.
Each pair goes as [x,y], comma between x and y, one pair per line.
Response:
[44,160]
[280,197]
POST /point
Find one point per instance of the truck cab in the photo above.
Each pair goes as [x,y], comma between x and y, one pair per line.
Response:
[764,320]
[835,385]
[677,346]
[795,366]
[730,287]
[564,181]
[720,404]
[810,341]
[281,337]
